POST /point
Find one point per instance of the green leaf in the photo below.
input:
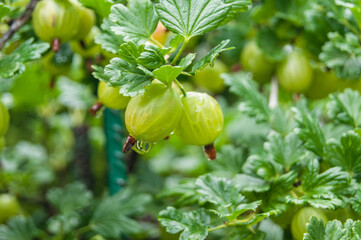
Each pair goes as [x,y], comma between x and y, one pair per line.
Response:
[64,223]
[352,230]
[280,187]
[284,150]
[151,57]
[356,11]
[260,165]
[225,195]
[282,120]
[315,228]
[272,230]
[249,183]
[31,88]
[176,41]
[187,61]
[328,180]
[167,74]
[194,225]
[242,208]
[337,12]
[346,153]
[263,12]
[192,17]
[184,192]
[98,73]
[73,197]
[136,22]
[229,160]
[334,230]
[129,52]
[356,228]
[211,56]
[73,94]
[355,200]
[101,7]
[18,228]
[13,63]
[237,6]
[310,131]
[4,10]
[127,76]
[112,216]
[146,71]
[107,39]
[218,191]
[270,44]
[346,107]
[320,189]
[343,55]
[259,217]
[254,103]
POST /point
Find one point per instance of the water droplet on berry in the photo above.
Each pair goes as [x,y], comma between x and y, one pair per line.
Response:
[143,147]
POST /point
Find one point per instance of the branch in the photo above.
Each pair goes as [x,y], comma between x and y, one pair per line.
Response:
[273,98]
[18,23]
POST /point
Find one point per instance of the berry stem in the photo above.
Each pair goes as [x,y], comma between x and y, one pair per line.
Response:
[129,144]
[55,44]
[95,108]
[180,86]
[210,151]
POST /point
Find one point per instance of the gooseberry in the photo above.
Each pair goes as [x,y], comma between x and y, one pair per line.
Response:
[295,73]
[254,61]
[210,77]
[301,218]
[9,207]
[55,21]
[153,115]
[201,122]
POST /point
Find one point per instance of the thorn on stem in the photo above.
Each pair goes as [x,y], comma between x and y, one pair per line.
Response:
[129,144]
[210,151]
[167,138]
[95,108]
[55,44]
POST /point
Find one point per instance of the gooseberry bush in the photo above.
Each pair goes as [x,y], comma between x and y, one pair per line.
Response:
[105,106]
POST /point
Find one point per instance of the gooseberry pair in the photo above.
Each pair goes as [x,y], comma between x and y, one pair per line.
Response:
[294,73]
[196,118]
[57,21]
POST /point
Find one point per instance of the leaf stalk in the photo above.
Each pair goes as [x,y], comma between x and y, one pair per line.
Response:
[185,42]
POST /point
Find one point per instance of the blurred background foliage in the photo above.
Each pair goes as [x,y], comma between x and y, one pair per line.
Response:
[55,160]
